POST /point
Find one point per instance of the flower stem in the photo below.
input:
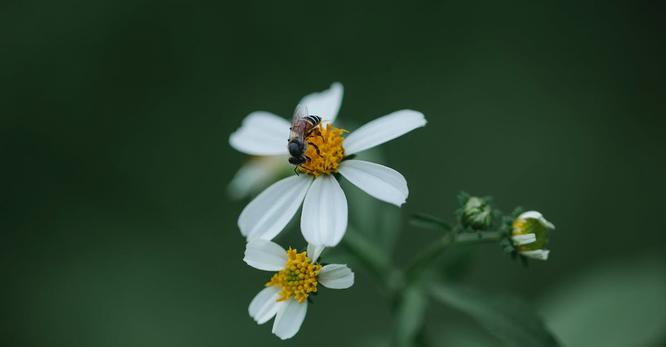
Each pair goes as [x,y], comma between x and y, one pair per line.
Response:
[424,259]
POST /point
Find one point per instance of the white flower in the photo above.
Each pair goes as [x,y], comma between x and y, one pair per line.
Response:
[266,165]
[530,235]
[286,294]
[324,216]
[258,173]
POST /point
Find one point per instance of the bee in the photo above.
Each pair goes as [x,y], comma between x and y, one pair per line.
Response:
[302,125]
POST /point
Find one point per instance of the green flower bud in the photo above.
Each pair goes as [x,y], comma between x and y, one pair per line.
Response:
[477,213]
[530,235]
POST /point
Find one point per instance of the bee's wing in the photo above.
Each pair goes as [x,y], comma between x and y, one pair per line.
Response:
[297,123]
[300,112]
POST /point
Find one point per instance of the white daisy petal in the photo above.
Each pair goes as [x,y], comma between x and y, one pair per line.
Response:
[325,104]
[266,215]
[540,254]
[265,306]
[377,180]
[256,174]
[314,252]
[538,216]
[289,318]
[262,133]
[336,276]
[383,129]
[324,217]
[265,255]
[519,240]
[530,214]
[547,224]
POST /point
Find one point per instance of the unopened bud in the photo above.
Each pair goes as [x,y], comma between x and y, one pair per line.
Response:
[530,235]
[477,213]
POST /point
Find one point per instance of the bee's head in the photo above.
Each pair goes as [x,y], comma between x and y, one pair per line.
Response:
[296,148]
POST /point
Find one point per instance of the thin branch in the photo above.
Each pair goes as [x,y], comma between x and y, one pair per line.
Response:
[424,259]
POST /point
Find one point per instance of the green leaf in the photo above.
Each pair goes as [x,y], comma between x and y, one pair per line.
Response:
[410,315]
[390,225]
[509,319]
[426,221]
[367,252]
[612,305]
[462,197]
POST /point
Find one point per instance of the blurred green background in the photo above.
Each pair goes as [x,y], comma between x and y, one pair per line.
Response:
[117,229]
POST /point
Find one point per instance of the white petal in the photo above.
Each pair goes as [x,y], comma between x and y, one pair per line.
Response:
[540,254]
[336,276]
[314,252]
[256,174]
[265,306]
[325,104]
[265,255]
[530,214]
[324,217]
[536,215]
[519,240]
[289,318]
[262,133]
[266,215]
[383,129]
[377,180]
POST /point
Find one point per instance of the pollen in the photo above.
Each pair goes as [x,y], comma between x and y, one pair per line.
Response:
[298,279]
[324,150]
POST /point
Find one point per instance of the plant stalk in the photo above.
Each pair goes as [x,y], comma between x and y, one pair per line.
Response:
[424,259]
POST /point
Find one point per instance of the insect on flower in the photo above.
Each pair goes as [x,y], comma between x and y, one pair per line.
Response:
[302,126]
[321,152]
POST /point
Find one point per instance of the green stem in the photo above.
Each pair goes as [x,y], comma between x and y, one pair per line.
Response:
[423,260]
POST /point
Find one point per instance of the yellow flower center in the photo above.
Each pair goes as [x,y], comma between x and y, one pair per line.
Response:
[530,226]
[298,279]
[324,150]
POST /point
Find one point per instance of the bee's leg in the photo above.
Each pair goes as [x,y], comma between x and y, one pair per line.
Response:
[296,170]
[305,167]
[316,132]
[320,135]
[307,159]
[315,147]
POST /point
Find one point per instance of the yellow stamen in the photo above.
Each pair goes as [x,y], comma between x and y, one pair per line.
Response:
[324,150]
[298,279]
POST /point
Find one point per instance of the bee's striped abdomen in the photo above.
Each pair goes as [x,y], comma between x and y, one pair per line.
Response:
[313,120]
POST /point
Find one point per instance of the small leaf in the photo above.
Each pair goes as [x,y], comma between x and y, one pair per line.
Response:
[462,198]
[426,221]
[508,318]
[410,315]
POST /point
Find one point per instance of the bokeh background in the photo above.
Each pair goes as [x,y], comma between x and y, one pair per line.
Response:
[117,229]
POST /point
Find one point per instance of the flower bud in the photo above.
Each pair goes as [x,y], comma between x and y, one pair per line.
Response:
[530,235]
[477,213]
